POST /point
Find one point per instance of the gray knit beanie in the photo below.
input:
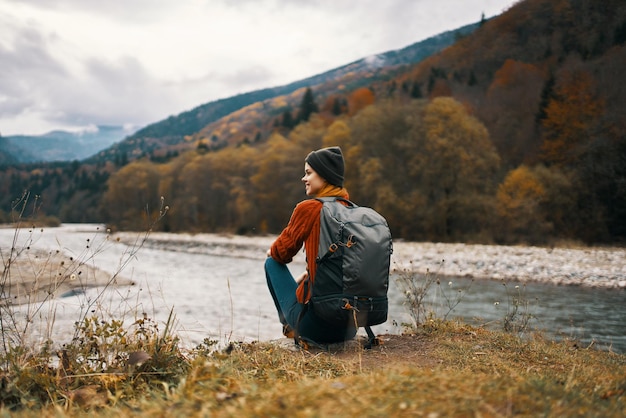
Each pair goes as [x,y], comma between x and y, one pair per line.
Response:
[328,163]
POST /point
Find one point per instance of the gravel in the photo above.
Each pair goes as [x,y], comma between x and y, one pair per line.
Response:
[583,266]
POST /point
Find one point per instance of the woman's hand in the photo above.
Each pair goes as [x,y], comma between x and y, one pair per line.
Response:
[269,252]
[302,277]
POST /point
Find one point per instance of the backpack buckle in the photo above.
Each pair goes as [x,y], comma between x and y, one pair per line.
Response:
[351,241]
[347,306]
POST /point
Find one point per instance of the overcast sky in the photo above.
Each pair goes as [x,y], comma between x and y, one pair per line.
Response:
[71,64]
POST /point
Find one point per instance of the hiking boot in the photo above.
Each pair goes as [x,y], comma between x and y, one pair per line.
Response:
[288,331]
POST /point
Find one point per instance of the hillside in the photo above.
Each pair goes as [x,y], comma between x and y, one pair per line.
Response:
[168,136]
[505,73]
[512,134]
[9,153]
[508,69]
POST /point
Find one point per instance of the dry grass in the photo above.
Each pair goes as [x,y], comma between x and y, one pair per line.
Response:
[445,369]
[439,369]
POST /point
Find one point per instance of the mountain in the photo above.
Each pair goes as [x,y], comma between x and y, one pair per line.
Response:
[171,132]
[115,144]
[10,153]
[538,89]
[61,145]
[533,97]
[570,52]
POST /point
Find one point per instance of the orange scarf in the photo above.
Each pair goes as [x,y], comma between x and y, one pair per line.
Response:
[331,190]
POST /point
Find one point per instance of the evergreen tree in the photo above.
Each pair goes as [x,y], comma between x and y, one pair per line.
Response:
[288,121]
[308,106]
[472,79]
[337,106]
[620,34]
[416,91]
[546,95]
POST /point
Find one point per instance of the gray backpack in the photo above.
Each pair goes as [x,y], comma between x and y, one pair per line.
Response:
[352,277]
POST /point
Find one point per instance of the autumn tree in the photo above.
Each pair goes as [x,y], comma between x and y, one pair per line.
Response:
[571,118]
[510,111]
[308,136]
[438,83]
[132,199]
[456,167]
[359,99]
[192,208]
[176,197]
[428,167]
[279,167]
[335,105]
[559,204]
[519,201]
[377,164]
[338,134]
[216,191]
[440,88]
[578,138]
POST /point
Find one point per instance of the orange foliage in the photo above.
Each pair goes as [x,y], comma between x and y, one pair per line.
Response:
[441,88]
[510,110]
[360,99]
[570,118]
[512,73]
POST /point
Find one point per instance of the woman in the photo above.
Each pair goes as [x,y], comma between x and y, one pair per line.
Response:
[323,176]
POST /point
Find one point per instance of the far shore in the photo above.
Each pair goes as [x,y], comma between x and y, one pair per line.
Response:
[581,266]
[53,274]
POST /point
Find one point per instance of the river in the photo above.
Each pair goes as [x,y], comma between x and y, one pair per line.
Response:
[217,290]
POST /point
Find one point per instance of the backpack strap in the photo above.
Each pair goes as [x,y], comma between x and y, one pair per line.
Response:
[335,245]
[372,339]
[303,342]
[336,199]
[296,331]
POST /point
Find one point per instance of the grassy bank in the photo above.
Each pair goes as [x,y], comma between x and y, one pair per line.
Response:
[115,367]
[441,369]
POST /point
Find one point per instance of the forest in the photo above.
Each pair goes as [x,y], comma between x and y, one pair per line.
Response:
[514,134]
[427,165]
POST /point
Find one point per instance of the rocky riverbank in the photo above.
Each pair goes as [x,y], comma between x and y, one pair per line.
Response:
[54,273]
[594,267]
[584,266]
[35,276]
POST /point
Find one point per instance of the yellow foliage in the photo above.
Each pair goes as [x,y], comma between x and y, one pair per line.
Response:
[338,134]
[520,188]
[133,194]
[278,102]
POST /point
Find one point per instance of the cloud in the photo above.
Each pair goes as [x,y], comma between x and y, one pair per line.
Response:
[132,11]
[28,69]
[72,63]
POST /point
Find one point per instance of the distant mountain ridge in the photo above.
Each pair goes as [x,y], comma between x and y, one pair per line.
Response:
[61,145]
[174,129]
[108,143]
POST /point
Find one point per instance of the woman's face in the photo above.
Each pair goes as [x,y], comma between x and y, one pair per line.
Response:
[313,182]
